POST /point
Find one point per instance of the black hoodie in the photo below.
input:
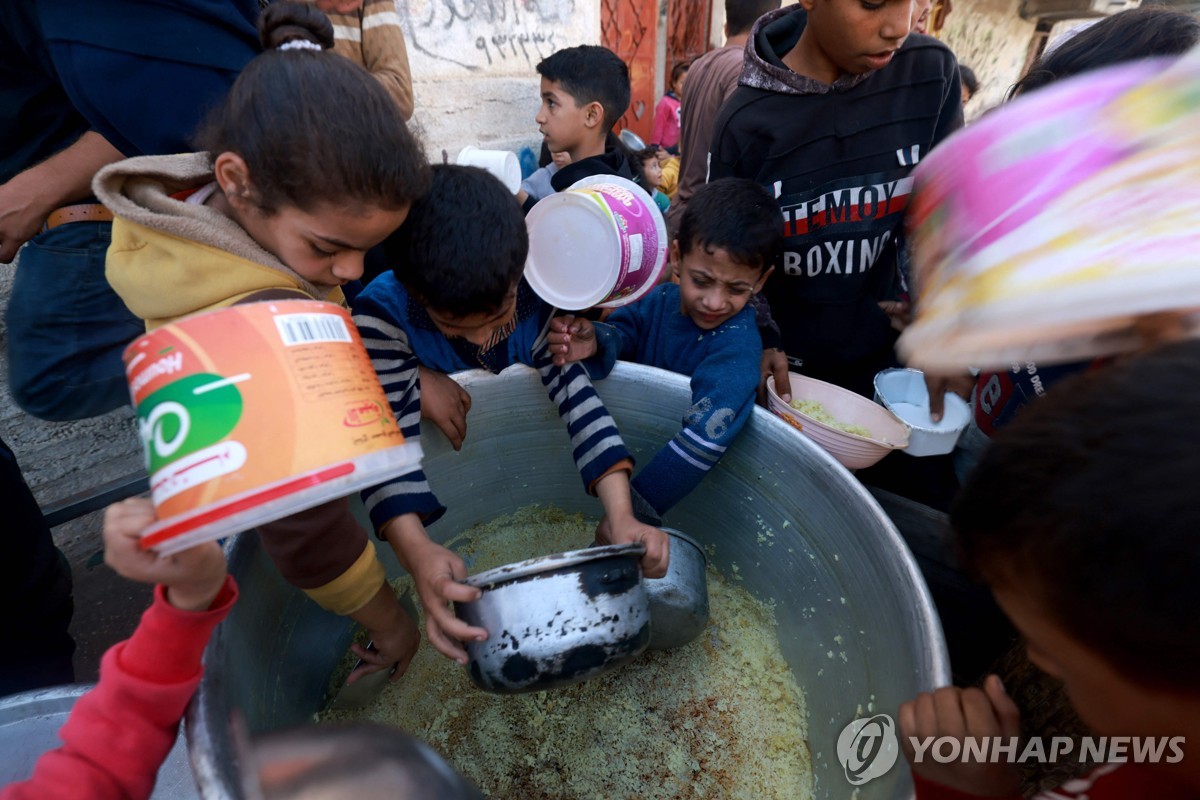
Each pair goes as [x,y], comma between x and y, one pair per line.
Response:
[615,160]
[837,157]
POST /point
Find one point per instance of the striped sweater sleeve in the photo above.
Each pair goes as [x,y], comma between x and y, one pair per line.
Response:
[595,441]
[373,36]
[396,365]
[723,388]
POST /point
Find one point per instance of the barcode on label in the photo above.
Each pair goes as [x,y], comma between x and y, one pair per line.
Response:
[308,328]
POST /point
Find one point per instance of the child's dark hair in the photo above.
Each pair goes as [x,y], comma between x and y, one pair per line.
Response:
[462,248]
[1087,498]
[969,81]
[645,154]
[314,127]
[1126,36]
[591,74]
[740,15]
[735,215]
[680,68]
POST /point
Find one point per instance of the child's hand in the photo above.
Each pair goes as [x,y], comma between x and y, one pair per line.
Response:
[571,339]
[393,632]
[445,404]
[193,577]
[961,713]
[628,530]
[775,363]
[437,573]
[561,159]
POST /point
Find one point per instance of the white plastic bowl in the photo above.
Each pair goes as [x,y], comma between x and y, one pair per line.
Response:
[888,432]
[903,392]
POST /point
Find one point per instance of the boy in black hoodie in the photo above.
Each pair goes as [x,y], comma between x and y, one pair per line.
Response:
[585,90]
[836,104]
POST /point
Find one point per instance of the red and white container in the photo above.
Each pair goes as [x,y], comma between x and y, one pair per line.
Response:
[251,413]
[602,242]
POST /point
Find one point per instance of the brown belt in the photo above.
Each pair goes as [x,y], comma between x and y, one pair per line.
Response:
[84,212]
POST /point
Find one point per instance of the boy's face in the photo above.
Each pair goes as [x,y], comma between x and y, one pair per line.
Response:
[564,124]
[1107,701]
[484,330]
[653,171]
[713,288]
[858,36]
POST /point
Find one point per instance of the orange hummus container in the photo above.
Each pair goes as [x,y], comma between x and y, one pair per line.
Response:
[255,412]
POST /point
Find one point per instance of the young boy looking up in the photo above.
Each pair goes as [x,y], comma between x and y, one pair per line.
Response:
[1081,518]
[455,300]
[729,241]
[837,104]
[584,90]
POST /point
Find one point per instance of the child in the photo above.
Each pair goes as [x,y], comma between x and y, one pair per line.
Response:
[729,241]
[585,90]
[309,164]
[1080,518]
[120,732]
[653,171]
[816,120]
[456,301]
[665,133]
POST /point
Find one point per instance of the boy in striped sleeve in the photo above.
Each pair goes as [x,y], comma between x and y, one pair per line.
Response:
[455,300]
[729,240]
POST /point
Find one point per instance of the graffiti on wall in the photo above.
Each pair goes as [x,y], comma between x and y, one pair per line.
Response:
[491,35]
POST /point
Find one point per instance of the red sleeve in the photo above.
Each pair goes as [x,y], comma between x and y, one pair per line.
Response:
[120,732]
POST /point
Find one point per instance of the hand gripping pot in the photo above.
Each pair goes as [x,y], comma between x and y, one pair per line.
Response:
[255,412]
[602,242]
[558,619]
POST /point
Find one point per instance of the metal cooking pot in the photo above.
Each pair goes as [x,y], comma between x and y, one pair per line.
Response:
[557,620]
[855,621]
[679,599]
[29,724]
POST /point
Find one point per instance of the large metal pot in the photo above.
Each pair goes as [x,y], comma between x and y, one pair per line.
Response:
[557,619]
[29,725]
[856,623]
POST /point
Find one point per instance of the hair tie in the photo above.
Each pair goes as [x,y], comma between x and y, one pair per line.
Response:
[299,44]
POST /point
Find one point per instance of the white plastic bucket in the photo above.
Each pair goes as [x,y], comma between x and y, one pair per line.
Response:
[501,163]
[602,242]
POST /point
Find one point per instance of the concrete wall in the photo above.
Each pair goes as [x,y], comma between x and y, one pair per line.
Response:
[989,37]
[473,64]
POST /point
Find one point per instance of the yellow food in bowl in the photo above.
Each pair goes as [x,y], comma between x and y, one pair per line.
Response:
[811,408]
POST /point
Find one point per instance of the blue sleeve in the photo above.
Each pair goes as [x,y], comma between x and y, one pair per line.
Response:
[396,365]
[723,388]
[596,444]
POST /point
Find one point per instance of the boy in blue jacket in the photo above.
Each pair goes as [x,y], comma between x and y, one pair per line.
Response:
[729,241]
[455,300]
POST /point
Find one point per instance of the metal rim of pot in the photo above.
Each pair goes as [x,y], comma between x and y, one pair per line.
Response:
[556,561]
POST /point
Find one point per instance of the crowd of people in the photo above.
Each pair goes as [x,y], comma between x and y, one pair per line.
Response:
[782,162]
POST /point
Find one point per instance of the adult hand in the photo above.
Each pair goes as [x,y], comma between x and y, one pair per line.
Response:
[20,218]
[445,404]
[193,577]
[938,385]
[960,713]
[775,363]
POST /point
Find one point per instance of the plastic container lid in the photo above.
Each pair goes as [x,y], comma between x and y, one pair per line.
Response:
[581,245]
